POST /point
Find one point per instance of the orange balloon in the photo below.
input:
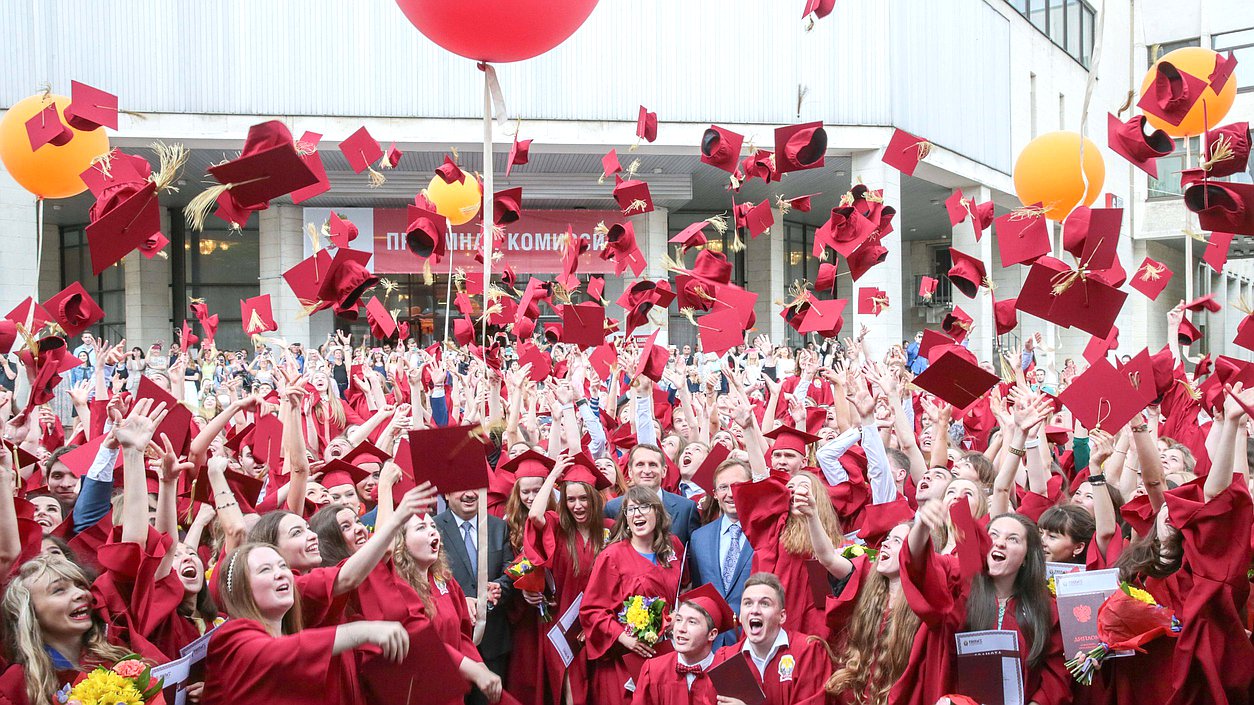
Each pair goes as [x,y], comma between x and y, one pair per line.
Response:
[1212,107]
[50,171]
[459,202]
[1048,172]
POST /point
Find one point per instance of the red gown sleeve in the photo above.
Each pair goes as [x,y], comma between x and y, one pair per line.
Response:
[127,593]
[932,585]
[840,607]
[246,664]
[466,647]
[763,509]
[1055,687]
[599,611]
[814,667]
[540,542]
[1033,504]
[319,605]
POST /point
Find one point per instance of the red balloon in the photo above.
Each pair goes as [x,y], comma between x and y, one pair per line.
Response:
[497,31]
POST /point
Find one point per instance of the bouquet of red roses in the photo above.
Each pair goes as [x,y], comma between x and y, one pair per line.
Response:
[530,577]
[1128,620]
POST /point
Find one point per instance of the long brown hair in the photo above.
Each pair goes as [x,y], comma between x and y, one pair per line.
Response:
[796,536]
[662,548]
[1032,598]
[516,515]
[24,640]
[407,568]
[235,589]
[1150,556]
[331,544]
[570,528]
[875,646]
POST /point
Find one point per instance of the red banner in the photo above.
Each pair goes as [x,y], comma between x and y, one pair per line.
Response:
[533,244]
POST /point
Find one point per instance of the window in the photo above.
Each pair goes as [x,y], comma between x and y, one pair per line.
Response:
[1158,51]
[1167,185]
[1069,24]
[1241,44]
[108,289]
[221,267]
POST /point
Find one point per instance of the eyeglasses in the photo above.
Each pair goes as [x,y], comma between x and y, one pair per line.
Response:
[638,509]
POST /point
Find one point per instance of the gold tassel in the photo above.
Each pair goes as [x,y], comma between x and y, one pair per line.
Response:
[639,203]
[1189,231]
[1189,389]
[198,300]
[633,168]
[134,114]
[307,308]
[924,147]
[672,264]
[1151,272]
[198,209]
[988,284]
[1220,151]
[1243,306]
[457,157]
[1126,104]
[737,245]
[490,311]
[1025,212]
[734,183]
[376,178]
[601,229]
[104,163]
[634,146]
[427,277]
[718,222]
[880,303]
[459,279]
[171,159]
[783,205]
[688,313]
[1064,280]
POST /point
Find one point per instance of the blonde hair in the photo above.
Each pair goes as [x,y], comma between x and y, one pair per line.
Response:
[870,655]
[24,635]
[796,536]
[235,589]
[407,567]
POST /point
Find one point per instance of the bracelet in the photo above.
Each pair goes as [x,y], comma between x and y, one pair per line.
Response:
[224,505]
[1140,428]
[1032,444]
[1098,479]
[1017,451]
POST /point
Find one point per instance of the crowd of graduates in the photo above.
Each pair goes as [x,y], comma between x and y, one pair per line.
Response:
[825,524]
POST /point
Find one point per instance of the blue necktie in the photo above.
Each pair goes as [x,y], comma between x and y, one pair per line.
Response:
[468,534]
[732,558]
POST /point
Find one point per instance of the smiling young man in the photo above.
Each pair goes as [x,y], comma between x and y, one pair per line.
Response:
[679,677]
[791,667]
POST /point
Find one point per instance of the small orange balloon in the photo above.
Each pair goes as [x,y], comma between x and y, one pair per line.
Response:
[1212,107]
[459,202]
[1048,172]
[50,171]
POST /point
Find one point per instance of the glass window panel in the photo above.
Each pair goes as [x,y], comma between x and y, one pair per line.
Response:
[114,277]
[72,266]
[1074,28]
[1037,13]
[1167,185]
[1244,75]
[1086,36]
[1232,40]
[1020,5]
[1057,27]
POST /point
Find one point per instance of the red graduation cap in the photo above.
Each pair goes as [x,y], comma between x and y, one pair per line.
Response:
[74,309]
[245,488]
[610,164]
[208,323]
[653,359]
[646,125]
[45,127]
[268,167]
[704,475]
[825,280]
[337,472]
[187,338]
[720,147]
[115,169]
[757,219]
[345,280]
[8,336]
[927,287]
[846,230]
[1129,140]
[424,232]
[967,272]
[91,108]
[1245,333]
[583,324]
[1188,333]
[177,421]
[721,330]
[1216,255]
[507,206]
[957,323]
[862,259]
[1102,398]
[621,247]
[1224,66]
[956,207]
[691,236]
[519,153]
[797,203]
[1139,372]
[596,287]
[1171,94]
[632,196]
[1091,235]
[450,172]
[1226,150]
[820,9]
[453,458]
[707,597]
[956,380]
[799,147]
[382,324]
[1022,236]
[307,148]
[1206,302]
[825,317]
[1222,206]
[343,231]
[124,220]
[872,300]
[361,150]
[257,315]
[790,438]
[905,151]
[1005,316]
[1088,304]
[529,463]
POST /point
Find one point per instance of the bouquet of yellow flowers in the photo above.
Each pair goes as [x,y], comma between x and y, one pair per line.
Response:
[643,617]
[854,550]
[1128,619]
[129,682]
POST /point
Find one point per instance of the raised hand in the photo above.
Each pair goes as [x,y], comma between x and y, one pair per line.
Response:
[135,431]
[171,466]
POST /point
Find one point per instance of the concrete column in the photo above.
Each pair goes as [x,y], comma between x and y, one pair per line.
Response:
[979,308]
[885,329]
[764,276]
[148,296]
[18,248]
[283,243]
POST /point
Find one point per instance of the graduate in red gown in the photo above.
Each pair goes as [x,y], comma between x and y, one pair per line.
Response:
[261,655]
[643,559]
[781,541]
[791,667]
[567,543]
[679,678]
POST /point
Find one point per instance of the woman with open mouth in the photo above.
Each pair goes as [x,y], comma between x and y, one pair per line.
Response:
[567,542]
[644,559]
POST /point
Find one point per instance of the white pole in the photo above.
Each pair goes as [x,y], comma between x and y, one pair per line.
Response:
[481,620]
[1188,239]
[448,291]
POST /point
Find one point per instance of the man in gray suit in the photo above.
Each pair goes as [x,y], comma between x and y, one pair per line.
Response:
[458,527]
[719,553]
[646,467]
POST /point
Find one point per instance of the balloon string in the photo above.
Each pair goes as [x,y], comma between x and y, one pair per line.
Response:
[39,255]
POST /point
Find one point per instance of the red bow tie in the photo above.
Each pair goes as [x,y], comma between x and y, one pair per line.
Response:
[683,670]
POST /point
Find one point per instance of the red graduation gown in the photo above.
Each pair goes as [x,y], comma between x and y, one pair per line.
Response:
[937,591]
[619,573]
[764,509]
[247,666]
[796,673]
[1214,659]
[546,547]
[660,684]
